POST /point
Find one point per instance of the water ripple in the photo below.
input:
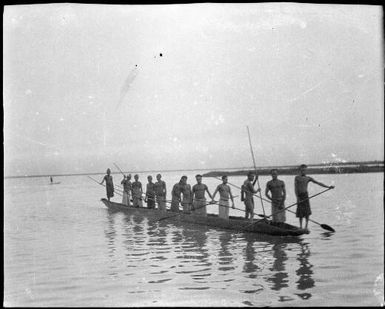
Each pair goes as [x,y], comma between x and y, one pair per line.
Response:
[63,248]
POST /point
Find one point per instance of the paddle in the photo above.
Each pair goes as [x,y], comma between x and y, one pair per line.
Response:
[255,167]
[324,226]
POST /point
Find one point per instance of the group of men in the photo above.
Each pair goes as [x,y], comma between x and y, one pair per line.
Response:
[194,198]
[155,192]
[276,192]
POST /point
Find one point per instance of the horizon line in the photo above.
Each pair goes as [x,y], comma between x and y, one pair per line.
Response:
[194,169]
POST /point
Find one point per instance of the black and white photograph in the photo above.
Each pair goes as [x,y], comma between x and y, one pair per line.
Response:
[193,155]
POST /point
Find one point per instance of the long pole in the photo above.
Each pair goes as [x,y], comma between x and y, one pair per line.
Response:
[255,167]
[116,189]
[235,186]
[119,169]
[298,202]
[325,226]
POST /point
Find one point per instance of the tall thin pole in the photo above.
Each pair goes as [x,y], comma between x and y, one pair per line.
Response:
[255,167]
[119,169]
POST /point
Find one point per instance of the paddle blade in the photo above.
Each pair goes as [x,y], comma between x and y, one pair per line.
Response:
[327,227]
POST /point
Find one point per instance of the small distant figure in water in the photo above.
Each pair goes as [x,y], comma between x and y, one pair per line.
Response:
[109,184]
[50,178]
[224,195]
[160,193]
[198,196]
[278,196]
[187,195]
[247,194]
[150,193]
[176,195]
[300,186]
[127,186]
[137,192]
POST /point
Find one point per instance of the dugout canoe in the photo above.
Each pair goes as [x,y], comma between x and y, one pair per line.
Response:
[212,220]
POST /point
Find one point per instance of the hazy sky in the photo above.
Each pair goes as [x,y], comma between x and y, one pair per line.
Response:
[306,78]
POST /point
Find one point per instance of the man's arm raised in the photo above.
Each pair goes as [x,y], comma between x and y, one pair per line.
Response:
[321,184]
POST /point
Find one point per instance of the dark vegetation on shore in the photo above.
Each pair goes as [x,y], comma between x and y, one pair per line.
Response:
[327,168]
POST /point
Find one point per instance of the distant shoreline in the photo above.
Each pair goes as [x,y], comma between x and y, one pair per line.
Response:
[327,168]
[343,168]
[114,173]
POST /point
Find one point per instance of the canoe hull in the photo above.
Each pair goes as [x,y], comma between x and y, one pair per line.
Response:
[233,223]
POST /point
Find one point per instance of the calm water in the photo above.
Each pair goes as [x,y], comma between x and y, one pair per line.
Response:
[63,247]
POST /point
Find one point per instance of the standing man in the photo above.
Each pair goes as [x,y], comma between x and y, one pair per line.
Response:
[224,195]
[187,195]
[247,195]
[126,182]
[198,196]
[176,195]
[160,193]
[109,184]
[278,197]
[300,186]
[150,193]
[137,192]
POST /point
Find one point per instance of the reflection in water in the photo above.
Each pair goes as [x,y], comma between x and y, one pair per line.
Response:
[128,241]
[168,253]
[60,257]
[258,252]
[133,236]
[326,235]
[188,242]
[110,233]
[305,280]
[138,223]
[195,240]
[249,266]
[157,235]
[195,256]
[224,254]
[176,239]
[279,277]
[252,268]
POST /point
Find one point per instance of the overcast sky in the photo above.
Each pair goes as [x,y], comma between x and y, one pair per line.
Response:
[306,78]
